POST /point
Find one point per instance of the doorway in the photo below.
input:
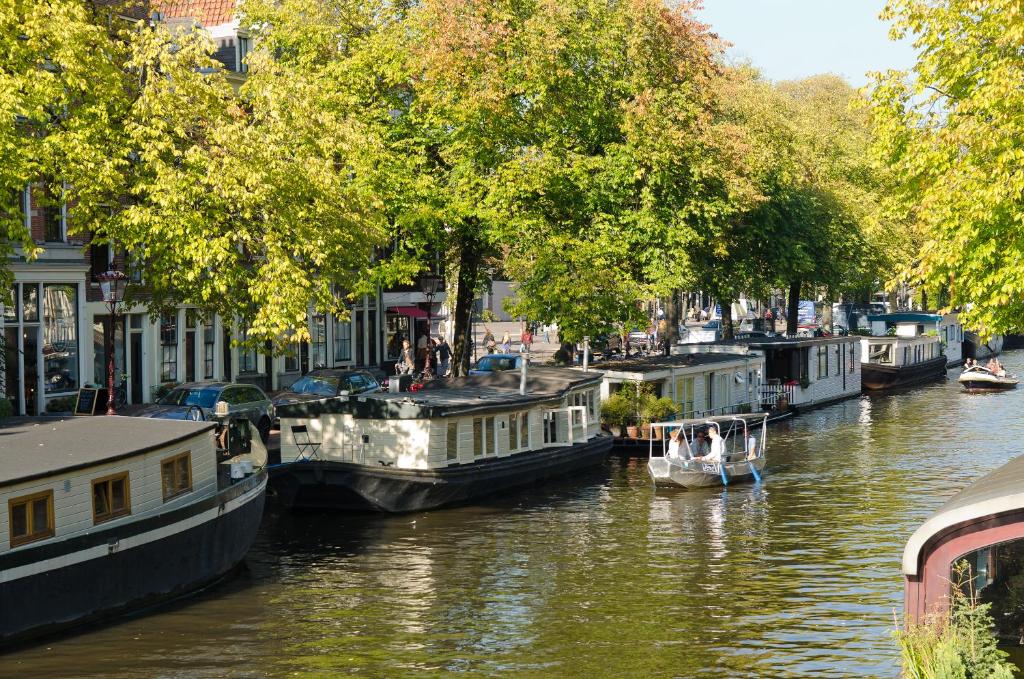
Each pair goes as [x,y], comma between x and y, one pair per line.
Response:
[12,383]
[30,352]
[135,351]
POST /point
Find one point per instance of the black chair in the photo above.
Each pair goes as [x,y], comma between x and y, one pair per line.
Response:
[308,448]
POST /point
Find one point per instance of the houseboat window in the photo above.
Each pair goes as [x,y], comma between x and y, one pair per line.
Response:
[906,355]
[684,393]
[110,498]
[822,362]
[853,357]
[453,440]
[592,404]
[513,431]
[169,348]
[31,518]
[995,574]
[524,430]
[176,475]
[550,427]
[478,436]
[710,387]
[489,436]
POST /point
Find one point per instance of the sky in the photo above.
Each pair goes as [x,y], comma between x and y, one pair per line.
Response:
[789,39]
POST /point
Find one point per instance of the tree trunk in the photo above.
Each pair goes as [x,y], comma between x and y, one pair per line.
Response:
[672,321]
[826,314]
[792,307]
[924,300]
[727,333]
[893,302]
[469,271]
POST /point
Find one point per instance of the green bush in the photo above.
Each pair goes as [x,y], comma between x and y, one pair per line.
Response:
[488,316]
[656,409]
[615,411]
[957,644]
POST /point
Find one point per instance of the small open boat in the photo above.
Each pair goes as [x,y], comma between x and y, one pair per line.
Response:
[742,440]
[978,378]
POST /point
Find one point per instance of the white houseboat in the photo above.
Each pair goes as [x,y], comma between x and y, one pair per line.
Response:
[910,356]
[452,442]
[104,515]
[802,373]
[701,380]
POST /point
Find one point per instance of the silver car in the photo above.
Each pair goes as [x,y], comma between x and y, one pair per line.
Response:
[197,400]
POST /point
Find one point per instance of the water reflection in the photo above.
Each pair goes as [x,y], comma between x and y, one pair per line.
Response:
[598,575]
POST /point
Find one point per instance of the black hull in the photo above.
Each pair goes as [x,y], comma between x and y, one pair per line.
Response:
[983,386]
[345,486]
[874,377]
[129,579]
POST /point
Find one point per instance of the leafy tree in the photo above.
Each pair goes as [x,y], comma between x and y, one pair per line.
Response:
[950,130]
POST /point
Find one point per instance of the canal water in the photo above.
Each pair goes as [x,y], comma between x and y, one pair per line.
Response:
[596,576]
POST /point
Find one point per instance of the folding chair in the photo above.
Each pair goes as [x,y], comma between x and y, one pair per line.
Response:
[308,449]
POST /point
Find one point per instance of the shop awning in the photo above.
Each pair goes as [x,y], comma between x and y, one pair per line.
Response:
[413,311]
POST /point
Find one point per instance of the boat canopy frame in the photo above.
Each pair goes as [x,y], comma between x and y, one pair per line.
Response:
[734,422]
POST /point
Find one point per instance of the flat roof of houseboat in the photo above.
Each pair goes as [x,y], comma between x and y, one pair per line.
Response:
[907,317]
[654,363]
[998,492]
[781,341]
[44,447]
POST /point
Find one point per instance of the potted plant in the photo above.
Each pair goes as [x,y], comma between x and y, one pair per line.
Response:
[615,413]
[635,394]
[655,409]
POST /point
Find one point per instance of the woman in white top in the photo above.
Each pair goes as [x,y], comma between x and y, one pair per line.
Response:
[674,444]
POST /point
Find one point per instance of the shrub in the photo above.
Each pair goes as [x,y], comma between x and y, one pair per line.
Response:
[957,643]
[615,410]
[6,408]
[656,409]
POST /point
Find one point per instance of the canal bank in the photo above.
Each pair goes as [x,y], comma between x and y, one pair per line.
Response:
[597,575]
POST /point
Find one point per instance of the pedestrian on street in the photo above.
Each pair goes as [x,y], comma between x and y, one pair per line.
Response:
[444,355]
[526,340]
[506,343]
[489,342]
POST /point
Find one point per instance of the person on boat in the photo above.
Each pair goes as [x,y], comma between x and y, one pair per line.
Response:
[751,448]
[968,364]
[717,452]
[675,444]
[700,444]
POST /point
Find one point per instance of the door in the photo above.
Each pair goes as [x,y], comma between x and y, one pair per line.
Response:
[12,384]
[190,354]
[30,353]
[136,368]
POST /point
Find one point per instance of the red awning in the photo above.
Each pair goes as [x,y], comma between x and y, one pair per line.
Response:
[413,311]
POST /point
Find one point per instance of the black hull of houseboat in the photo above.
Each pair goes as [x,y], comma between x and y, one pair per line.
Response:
[874,377]
[318,484]
[115,577]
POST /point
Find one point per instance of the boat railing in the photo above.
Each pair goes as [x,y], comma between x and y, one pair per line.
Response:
[738,448]
[769,394]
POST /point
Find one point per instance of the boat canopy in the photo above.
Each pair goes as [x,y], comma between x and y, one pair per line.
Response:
[999,492]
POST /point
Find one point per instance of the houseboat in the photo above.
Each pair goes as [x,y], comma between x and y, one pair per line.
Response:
[982,527]
[450,443]
[909,356]
[105,515]
[702,380]
[804,373]
[976,348]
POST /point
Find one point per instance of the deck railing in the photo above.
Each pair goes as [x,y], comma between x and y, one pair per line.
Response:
[771,393]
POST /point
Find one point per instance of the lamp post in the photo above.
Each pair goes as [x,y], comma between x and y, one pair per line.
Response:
[112,285]
[429,284]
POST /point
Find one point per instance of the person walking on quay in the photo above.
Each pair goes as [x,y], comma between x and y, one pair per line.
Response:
[406,362]
[506,343]
[444,355]
[489,342]
[525,341]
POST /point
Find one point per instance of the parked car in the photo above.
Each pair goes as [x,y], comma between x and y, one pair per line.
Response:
[495,363]
[197,400]
[712,325]
[324,383]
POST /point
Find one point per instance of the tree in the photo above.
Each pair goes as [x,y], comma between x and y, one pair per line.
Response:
[950,130]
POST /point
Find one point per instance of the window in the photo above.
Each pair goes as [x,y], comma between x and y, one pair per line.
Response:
[318,342]
[709,387]
[488,436]
[248,360]
[243,52]
[31,517]
[342,340]
[99,258]
[513,431]
[60,337]
[30,302]
[176,475]
[52,212]
[11,306]
[822,362]
[684,394]
[110,498]
[478,436]
[169,348]
[453,440]
[397,330]
[208,347]
[293,359]
[524,430]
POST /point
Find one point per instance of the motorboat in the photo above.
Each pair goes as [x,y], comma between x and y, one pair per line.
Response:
[742,438]
[978,378]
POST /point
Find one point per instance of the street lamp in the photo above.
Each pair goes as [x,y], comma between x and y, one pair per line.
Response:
[112,285]
[429,284]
